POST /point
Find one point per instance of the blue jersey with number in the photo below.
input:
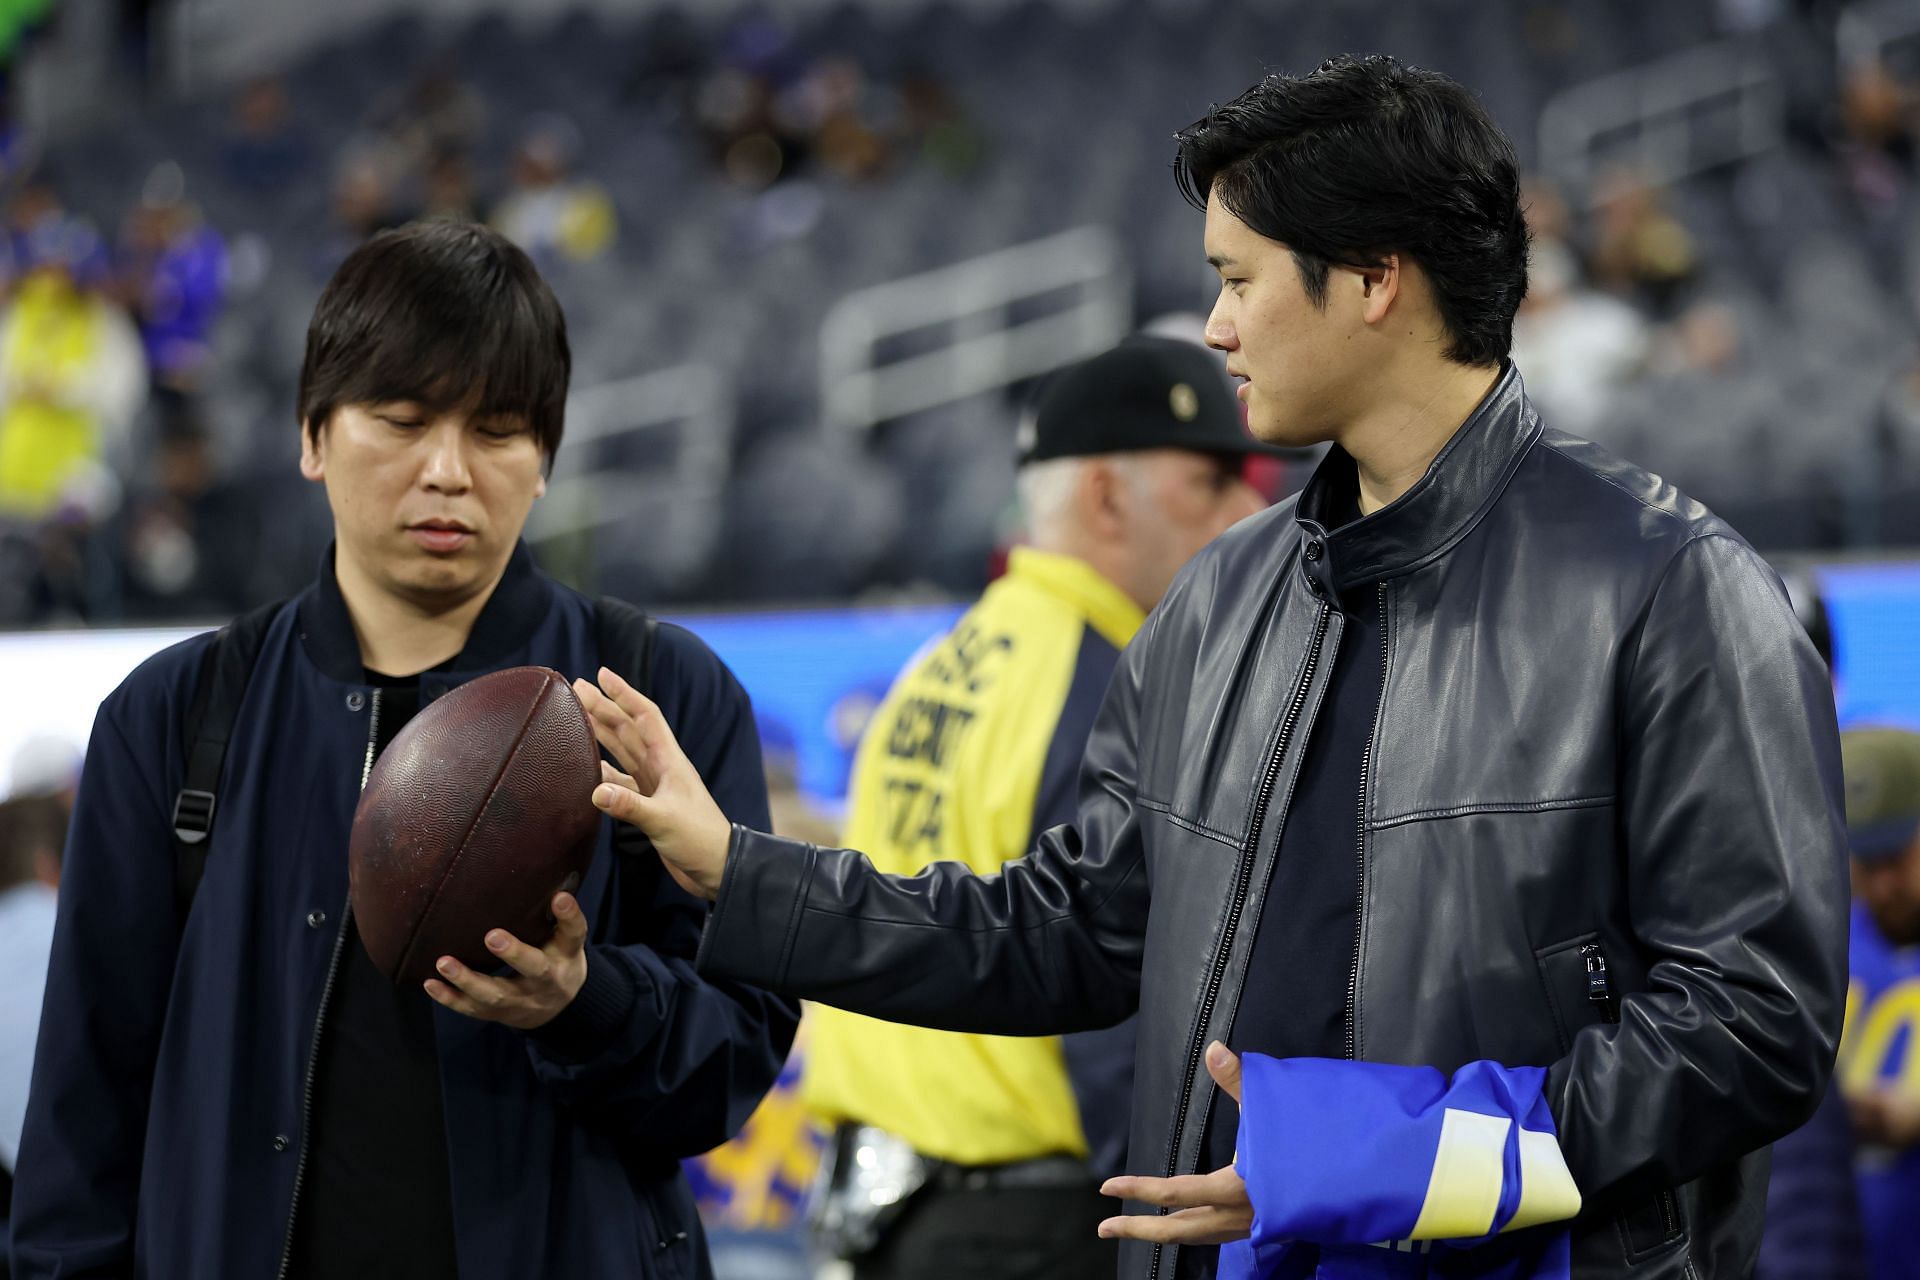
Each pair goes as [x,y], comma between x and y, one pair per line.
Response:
[1882,1049]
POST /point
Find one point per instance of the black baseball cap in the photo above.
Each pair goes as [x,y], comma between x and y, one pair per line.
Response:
[1147,393]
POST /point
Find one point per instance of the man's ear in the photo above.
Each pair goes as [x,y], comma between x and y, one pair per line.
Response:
[1101,502]
[1379,287]
[313,452]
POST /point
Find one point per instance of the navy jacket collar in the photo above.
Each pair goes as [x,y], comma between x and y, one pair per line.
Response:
[1430,517]
[505,625]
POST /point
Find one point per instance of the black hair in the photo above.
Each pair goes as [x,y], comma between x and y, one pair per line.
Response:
[445,314]
[1365,157]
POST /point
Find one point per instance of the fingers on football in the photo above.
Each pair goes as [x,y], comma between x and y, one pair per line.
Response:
[610,774]
[530,962]
[570,925]
[625,804]
[612,727]
[464,991]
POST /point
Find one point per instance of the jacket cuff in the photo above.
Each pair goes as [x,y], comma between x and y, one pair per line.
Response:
[597,1014]
[756,915]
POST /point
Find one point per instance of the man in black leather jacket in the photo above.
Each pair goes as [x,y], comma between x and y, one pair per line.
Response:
[1524,747]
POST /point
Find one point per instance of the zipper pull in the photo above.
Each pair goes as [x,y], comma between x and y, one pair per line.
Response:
[1599,984]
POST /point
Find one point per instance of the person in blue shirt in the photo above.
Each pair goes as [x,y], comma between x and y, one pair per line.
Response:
[1879,1069]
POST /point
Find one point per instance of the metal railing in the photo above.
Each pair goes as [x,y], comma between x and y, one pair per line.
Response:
[690,408]
[969,312]
[1677,116]
[1866,33]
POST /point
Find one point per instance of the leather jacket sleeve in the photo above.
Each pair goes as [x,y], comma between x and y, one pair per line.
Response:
[1049,944]
[1734,862]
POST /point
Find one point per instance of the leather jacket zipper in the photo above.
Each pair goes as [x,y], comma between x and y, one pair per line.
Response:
[1599,982]
[1360,838]
[320,1015]
[1243,880]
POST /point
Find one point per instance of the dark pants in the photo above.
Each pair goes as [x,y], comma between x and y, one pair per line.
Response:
[1006,1234]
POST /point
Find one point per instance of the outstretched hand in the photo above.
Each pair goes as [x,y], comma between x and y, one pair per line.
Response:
[1203,1208]
[656,788]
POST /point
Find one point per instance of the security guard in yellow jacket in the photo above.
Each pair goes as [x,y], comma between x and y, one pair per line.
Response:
[970,1155]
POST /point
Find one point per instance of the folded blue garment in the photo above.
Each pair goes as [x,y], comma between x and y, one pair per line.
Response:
[1360,1169]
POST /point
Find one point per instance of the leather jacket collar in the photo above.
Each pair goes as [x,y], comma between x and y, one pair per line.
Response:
[1430,517]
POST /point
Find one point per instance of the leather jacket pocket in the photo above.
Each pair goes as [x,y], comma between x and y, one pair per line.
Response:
[1581,993]
[1579,989]
[1651,1224]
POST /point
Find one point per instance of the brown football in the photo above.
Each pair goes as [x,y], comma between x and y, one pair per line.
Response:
[476,814]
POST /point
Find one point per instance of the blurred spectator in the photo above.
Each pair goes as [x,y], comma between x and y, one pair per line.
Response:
[841,116]
[33,830]
[46,764]
[1876,1057]
[440,114]
[363,202]
[189,538]
[667,66]
[754,144]
[1574,346]
[1549,217]
[447,191]
[1705,338]
[936,121]
[1641,250]
[1877,122]
[174,272]
[547,211]
[791,114]
[37,228]
[363,197]
[72,377]
[264,152]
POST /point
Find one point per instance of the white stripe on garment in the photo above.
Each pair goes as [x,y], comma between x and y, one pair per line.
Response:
[1463,1194]
[1547,1191]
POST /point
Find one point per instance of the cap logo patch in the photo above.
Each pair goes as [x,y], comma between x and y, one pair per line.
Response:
[1184,402]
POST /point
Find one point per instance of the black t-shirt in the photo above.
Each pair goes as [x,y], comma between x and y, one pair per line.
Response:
[1294,1002]
[378,1198]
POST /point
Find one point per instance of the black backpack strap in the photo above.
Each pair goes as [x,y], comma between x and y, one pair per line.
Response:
[626,641]
[626,637]
[225,668]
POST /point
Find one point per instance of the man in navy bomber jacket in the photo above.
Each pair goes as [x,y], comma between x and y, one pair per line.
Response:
[239,1092]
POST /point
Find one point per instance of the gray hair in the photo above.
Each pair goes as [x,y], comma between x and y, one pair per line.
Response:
[1046,489]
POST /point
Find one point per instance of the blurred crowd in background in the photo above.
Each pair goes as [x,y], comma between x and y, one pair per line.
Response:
[701,183]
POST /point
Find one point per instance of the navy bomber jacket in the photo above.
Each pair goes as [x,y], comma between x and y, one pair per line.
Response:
[165,1129]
